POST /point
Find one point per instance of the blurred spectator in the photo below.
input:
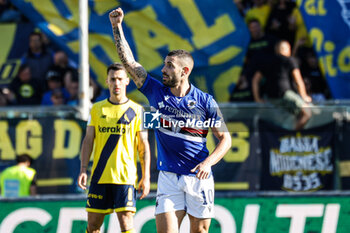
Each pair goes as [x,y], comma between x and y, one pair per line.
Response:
[3,98]
[260,49]
[261,44]
[54,79]
[61,63]
[260,11]
[315,83]
[72,85]
[8,13]
[242,91]
[279,72]
[97,91]
[242,6]
[57,97]
[19,180]
[52,47]
[24,90]
[281,23]
[73,90]
[56,90]
[38,58]
[71,74]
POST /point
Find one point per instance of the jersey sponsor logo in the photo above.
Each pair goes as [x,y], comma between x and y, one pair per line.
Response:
[181,113]
[117,129]
[95,196]
[125,119]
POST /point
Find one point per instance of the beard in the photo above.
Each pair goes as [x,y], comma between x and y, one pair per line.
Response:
[170,82]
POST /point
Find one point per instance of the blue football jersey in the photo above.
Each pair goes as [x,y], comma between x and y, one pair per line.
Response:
[184,124]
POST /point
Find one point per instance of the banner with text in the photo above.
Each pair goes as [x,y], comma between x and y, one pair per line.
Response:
[55,143]
[297,161]
[215,34]
[12,49]
[292,214]
[328,24]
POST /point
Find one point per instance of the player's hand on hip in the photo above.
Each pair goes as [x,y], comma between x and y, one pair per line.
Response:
[144,186]
[202,170]
[116,16]
[82,180]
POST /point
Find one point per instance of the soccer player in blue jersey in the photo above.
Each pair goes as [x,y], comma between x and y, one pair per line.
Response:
[185,182]
[114,133]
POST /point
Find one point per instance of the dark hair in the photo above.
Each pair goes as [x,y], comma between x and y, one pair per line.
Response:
[75,75]
[180,53]
[116,66]
[24,158]
[253,20]
[43,47]
[36,34]
[22,67]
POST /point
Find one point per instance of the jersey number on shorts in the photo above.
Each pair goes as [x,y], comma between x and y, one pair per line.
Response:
[210,197]
[130,197]
[105,154]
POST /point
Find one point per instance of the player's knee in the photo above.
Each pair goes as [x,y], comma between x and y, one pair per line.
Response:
[93,229]
[199,229]
[125,221]
[199,225]
[93,226]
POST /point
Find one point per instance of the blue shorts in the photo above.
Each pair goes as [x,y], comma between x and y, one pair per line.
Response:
[109,198]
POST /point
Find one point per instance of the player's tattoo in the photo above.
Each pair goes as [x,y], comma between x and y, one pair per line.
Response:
[136,71]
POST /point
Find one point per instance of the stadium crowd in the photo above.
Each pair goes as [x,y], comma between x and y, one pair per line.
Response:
[48,77]
[270,21]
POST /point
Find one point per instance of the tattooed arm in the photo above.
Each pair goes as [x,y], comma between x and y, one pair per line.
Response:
[136,71]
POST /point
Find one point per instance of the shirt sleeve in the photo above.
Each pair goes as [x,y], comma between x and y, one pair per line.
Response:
[91,121]
[213,109]
[139,120]
[215,114]
[293,63]
[34,180]
[150,87]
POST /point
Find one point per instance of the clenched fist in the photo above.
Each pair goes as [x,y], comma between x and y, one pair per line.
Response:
[116,16]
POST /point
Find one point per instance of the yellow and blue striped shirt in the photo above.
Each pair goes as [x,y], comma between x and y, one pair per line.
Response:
[115,144]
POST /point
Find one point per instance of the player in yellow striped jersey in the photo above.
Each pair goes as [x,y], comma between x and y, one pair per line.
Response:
[114,134]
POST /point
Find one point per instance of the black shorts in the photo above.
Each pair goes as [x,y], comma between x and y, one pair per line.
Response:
[109,198]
